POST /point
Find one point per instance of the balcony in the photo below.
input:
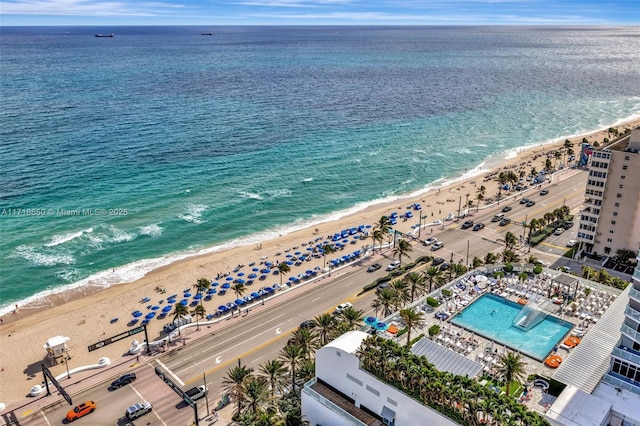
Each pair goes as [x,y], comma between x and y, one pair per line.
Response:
[619,382]
[630,332]
[634,294]
[632,313]
[627,355]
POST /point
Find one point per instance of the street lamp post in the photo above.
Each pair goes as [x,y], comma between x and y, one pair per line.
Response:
[66,364]
[206,390]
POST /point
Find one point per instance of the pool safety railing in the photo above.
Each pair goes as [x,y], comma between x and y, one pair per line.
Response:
[531,314]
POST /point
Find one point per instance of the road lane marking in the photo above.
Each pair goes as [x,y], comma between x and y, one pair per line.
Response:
[168,370]
[316,299]
[142,398]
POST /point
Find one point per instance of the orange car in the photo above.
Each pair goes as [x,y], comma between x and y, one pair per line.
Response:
[81,410]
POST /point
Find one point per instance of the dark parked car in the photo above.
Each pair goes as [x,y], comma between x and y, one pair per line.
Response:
[524,201]
[505,221]
[437,261]
[478,226]
[308,324]
[374,267]
[531,203]
[567,225]
[506,209]
[444,266]
[544,192]
[442,315]
[467,224]
[123,380]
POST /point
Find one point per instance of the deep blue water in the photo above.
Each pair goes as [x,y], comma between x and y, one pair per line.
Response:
[212,140]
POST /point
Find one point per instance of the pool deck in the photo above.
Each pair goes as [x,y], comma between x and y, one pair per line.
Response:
[587,310]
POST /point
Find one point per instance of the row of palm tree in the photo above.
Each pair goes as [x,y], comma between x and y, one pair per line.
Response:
[459,397]
[271,396]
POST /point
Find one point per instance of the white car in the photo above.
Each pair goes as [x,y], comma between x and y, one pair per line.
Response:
[137,410]
[571,243]
[437,246]
[429,241]
[393,265]
[341,307]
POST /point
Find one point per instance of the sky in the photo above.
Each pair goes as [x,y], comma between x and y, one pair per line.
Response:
[319,12]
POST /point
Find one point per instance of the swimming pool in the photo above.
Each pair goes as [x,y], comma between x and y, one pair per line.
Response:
[491,316]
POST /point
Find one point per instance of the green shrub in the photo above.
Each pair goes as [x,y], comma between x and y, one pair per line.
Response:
[446,292]
[402,331]
[508,267]
[498,274]
[434,330]
[415,339]
[537,270]
[432,302]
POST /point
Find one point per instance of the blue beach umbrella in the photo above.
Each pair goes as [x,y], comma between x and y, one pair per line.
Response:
[382,326]
[150,315]
[241,274]
[370,320]
[229,278]
[239,302]
[255,269]
[226,285]
[136,314]
[255,295]
[253,276]
[155,308]
[212,291]
[187,294]
[197,296]
[215,284]
[166,309]
[184,302]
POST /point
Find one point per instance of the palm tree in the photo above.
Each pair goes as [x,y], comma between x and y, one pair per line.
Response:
[352,317]
[476,262]
[283,268]
[556,156]
[432,274]
[510,241]
[512,367]
[232,384]
[502,179]
[401,289]
[385,300]
[326,249]
[403,248]
[326,324]
[179,311]
[201,286]
[239,289]
[199,312]
[292,354]
[306,339]
[256,390]
[411,318]
[490,258]
[378,235]
[274,370]
[480,193]
[416,283]
[383,224]
[547,164]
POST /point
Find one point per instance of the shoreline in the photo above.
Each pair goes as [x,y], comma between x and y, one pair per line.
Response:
[100,281]
[85,314]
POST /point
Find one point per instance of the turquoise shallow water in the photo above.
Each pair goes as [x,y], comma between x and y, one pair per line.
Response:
[492,316]
[197,142]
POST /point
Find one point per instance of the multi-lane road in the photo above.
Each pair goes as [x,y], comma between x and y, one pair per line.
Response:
[257,336]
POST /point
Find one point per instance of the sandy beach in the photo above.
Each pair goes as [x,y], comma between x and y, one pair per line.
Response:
[85,315]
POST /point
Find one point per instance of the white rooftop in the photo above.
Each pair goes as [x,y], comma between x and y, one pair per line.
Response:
[349,342]
[56,341]
[624,402]
[590,360]
[577,408]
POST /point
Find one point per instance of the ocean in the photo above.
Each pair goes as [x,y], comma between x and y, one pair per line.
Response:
[120,155]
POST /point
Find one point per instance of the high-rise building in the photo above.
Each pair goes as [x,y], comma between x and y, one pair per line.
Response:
[624,371]
[610,219]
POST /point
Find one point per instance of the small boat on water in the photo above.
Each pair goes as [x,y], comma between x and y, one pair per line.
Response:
[104,35]
[206,33]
